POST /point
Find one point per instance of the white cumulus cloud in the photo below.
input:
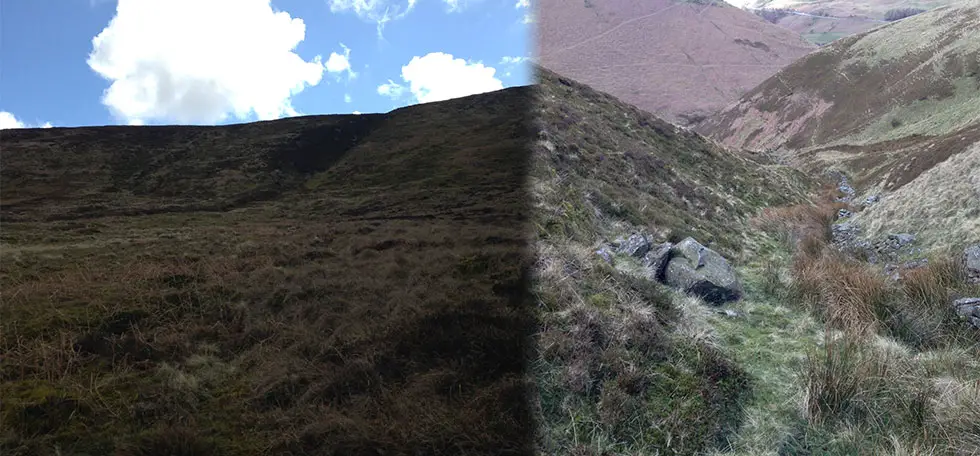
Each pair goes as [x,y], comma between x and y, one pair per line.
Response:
[455,6]
[439,76]
[201,61]
[379,12]
[391,89]
[523,4]
[8,121]
[340,63]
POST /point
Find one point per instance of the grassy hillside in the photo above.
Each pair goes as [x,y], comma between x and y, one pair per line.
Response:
[823,21]
[822,355]
[882,106]
[345,285]
[627,366]
[942,205]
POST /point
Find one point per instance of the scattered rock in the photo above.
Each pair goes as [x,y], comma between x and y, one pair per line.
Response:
[844,187]
[901,239]
[606,254]
[845,233]
[894,270]
[915,264]
[636,246]
[656,260]
[703,272]
[968,308]
[869,201]
[965,311]
[894,246]
[844,213]
[845,237]
[728,313]
[971,263]
[967,302]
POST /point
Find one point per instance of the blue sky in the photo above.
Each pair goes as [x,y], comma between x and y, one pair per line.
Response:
[71,63]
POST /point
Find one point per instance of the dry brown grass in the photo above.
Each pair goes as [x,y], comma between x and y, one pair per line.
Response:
[805,225]
[890,375]
[844,293]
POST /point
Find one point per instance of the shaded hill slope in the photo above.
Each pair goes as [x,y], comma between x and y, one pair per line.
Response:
[885,105]
[71,173]
[320,285]
[623,366]
[680,60]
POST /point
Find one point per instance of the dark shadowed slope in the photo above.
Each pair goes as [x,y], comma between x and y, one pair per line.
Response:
[680,60]
[885,104]
[338,285]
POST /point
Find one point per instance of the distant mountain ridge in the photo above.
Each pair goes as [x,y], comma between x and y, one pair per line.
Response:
[894,108]
[898,87]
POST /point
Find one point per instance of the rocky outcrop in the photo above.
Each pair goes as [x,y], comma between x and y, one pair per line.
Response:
[971,263]
[896,270]
[656,260]
[635,246]
[895,247]
[846,237]
[843,186]
[687,266]
[701,271]
[605,254]
[870,201]
[968,308]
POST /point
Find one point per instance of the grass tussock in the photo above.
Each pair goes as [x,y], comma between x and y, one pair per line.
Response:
[615,374]
[805,225]
[896,362]
[843,293]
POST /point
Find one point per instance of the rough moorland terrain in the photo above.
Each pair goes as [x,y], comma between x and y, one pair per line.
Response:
[628,364]
[345,285]
[853,326]
[819,351]
[681,60]
[883,107]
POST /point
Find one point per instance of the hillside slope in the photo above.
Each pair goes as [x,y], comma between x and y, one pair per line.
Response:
[823,21]
[883,105]
[823,353]
[680,60]
[326,285]
[625,366]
